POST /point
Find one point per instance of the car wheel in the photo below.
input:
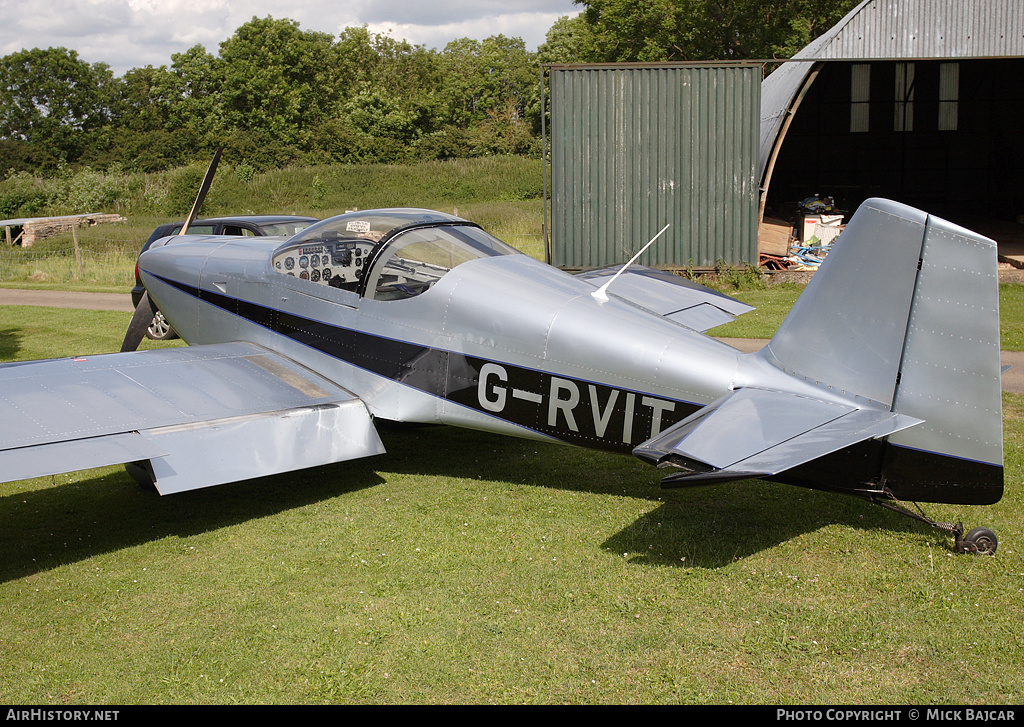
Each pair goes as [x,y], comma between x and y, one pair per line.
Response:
[159,329]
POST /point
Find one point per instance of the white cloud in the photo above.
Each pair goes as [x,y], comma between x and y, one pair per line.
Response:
[531,27]
[134,33]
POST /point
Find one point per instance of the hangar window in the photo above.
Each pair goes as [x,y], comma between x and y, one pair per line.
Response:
[903,115]
[860,97]
[949,96]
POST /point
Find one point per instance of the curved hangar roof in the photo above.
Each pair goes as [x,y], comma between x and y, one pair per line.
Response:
[893,30]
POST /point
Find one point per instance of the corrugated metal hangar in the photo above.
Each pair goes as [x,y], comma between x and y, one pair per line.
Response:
[638,146]
[921,101]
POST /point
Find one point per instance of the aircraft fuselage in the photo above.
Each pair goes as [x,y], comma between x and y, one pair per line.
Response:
[505,344]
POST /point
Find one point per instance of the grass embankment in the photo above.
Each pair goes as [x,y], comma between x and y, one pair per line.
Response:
[502,194]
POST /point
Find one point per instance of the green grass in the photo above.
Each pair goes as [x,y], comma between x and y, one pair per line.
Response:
[463,567]
[108,252]
[773,302]
[1011,317]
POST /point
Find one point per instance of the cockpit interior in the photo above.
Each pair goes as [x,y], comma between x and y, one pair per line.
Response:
[385,255]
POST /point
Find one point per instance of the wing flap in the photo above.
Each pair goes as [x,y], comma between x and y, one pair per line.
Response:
[691,304]
[203,415]
[214,453]
[759,433]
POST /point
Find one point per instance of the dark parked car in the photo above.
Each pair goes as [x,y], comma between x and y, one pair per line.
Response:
[250,225]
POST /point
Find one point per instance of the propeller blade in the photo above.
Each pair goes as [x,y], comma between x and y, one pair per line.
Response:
[141,319]
[144,311]
[203,189]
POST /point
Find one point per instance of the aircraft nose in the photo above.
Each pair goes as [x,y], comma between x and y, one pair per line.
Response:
[173,261]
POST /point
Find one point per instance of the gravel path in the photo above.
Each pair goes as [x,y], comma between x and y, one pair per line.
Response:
[67,299]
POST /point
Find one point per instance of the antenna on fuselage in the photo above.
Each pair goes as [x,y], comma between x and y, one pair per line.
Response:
[601,293]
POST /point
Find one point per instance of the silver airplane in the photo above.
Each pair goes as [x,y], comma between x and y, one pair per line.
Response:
[883,381]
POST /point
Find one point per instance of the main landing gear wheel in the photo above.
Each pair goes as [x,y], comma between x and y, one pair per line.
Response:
[980,541]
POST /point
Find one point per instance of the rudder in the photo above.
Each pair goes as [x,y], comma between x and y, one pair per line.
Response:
[950,375]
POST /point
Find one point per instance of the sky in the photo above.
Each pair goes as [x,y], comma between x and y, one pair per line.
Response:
[127,34]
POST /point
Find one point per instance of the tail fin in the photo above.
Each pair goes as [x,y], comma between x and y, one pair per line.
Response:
[905,312]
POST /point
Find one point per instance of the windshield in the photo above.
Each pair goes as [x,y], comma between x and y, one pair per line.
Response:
[371,225]
[418,258]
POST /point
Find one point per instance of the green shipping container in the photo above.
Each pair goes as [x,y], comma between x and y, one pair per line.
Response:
[637,146]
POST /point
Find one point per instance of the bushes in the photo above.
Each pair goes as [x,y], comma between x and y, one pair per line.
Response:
[243,189]
[69,192]
[21,195]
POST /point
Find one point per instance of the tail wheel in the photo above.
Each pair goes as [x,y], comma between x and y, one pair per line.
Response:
[980,541]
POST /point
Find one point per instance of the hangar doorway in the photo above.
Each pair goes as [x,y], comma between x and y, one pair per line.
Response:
[943,135]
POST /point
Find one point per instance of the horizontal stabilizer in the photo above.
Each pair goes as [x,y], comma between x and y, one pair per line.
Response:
[201,415]
[695,306]
[760,433]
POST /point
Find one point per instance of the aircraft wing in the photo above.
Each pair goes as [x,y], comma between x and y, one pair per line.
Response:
[200,415]
[695,306]
[760,433]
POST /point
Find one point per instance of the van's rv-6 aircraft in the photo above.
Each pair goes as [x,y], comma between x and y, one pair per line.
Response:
[883,382]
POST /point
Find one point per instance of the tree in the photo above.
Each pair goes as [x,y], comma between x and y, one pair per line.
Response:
[482,75]
[691,30]
[197,109]
[570,40]
[408,76]
[278,80]
[50,98]
[145,97]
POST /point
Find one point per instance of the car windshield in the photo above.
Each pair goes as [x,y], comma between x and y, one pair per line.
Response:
[285,228]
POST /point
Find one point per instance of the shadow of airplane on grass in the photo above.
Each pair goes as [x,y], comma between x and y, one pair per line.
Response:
[46,528]
[700,527]
[10,343]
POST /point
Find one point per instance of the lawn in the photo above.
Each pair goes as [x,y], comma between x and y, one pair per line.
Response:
[463,567]
[773,302]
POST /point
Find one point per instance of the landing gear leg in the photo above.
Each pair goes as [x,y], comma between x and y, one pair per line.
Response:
[142,473]
[980,541]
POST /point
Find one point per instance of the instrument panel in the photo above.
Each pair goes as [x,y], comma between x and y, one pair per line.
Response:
[340,263]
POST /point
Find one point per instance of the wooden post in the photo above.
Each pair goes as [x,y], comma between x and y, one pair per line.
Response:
[78,253]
